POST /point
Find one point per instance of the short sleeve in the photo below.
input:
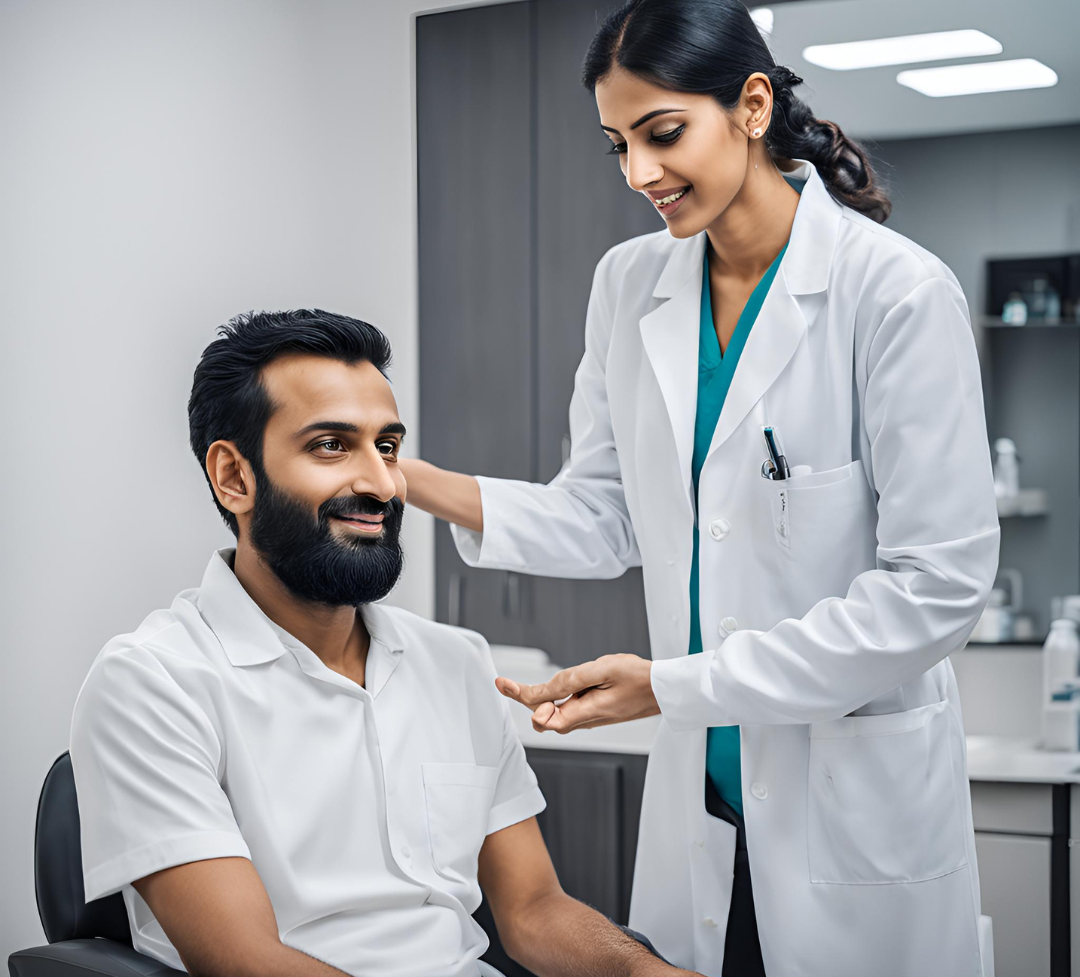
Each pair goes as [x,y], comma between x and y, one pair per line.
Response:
[145,758]
[517,795]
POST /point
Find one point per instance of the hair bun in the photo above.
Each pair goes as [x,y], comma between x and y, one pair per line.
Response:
[783,77]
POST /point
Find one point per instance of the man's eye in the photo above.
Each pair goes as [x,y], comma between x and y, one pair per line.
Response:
[388,447]
[331,444]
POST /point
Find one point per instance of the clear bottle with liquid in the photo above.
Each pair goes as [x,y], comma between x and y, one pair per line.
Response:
[1061,687]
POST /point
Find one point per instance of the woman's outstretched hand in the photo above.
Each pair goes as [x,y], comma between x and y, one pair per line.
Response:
[612,689]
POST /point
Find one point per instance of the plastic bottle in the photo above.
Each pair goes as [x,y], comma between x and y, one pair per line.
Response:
[1006,469]
[1061,665]
[1015,312]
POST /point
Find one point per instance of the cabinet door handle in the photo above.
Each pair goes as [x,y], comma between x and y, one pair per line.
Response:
[453,604]
[565,448]
[511,595]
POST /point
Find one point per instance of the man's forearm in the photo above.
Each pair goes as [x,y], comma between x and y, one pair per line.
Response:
[280,960]
[561,937]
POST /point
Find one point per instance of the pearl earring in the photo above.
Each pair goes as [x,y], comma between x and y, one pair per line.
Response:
[756,133]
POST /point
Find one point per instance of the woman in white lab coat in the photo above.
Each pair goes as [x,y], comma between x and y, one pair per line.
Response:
[811,734]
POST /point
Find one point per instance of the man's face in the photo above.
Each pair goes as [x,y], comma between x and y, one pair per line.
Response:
[330,497]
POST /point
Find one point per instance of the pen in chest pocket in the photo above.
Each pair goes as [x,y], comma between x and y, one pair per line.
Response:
[774,467]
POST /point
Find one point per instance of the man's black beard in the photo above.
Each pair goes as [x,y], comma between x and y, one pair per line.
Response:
[315,564]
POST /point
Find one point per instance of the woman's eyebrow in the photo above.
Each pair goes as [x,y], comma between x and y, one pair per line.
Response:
[645,118]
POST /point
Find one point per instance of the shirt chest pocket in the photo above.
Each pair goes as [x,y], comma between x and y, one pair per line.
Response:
[457,801]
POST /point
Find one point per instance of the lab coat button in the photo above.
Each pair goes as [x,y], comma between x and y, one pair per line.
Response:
[700,843]
[728,626]
[405,852]
[710,922]
[760,791]
[719,528]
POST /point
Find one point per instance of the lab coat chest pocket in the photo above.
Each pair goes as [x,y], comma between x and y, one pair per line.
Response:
[826,521]
[883,801]
[457,799]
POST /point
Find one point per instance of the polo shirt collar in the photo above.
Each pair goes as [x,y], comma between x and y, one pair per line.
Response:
[246,634]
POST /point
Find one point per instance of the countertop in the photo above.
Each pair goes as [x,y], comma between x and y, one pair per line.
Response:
[990,758]
[1005,758]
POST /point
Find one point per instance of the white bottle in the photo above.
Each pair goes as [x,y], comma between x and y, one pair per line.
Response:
[1006,469]
[1061,708]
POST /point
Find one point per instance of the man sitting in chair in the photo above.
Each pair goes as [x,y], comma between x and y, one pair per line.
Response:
[284,777]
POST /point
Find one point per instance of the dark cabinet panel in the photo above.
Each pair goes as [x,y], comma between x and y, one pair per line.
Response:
[474,176]
[517,202]
[584,207]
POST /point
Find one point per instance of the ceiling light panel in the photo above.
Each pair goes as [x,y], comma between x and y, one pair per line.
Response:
[975,79]
[908,49]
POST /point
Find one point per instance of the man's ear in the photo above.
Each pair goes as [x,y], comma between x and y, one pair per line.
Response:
[231,476]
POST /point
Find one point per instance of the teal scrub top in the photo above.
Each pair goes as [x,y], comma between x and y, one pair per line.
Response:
[715,371]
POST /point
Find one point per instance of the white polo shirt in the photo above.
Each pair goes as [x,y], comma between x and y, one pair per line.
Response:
[210,732]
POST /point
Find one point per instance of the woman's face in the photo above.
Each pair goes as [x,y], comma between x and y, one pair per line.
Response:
[685,152]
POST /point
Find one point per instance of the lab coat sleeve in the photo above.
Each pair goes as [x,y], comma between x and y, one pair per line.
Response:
[145,759]
[937,544]
[577,525]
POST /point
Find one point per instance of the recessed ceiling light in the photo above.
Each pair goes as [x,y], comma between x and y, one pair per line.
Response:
[973,79]
[908,49]
[763,17]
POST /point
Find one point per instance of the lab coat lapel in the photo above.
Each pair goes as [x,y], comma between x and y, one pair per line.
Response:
[795,297]
[670,336]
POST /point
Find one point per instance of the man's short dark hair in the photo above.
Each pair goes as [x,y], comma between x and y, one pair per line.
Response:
[228,401]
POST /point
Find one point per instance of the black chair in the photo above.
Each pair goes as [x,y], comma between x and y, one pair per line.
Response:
[84,937]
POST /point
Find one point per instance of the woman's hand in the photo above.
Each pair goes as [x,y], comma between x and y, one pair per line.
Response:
[612,689]
[446,495]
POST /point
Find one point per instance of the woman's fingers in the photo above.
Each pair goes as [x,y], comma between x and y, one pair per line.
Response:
[561,685]
[579,712]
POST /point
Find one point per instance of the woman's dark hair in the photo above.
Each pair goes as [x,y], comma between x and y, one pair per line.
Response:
[710,47]
[228,401]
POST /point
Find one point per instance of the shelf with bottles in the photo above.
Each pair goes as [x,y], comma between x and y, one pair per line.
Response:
[1039,291]
[1026,502]
[996,322]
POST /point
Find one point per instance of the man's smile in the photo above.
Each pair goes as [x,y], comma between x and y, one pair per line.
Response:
[362,523]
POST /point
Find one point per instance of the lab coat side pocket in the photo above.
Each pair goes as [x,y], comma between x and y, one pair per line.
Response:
[457,798]
[882,800]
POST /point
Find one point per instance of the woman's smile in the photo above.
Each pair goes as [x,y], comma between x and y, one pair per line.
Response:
[668,201]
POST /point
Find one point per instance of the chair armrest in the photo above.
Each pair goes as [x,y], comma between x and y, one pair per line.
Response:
[83,958]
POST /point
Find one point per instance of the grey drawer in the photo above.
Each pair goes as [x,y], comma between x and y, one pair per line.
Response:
[1014,808]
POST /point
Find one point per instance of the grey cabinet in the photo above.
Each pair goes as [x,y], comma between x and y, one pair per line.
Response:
[476,375]
[1022,843]
[1014,872]
[517,202]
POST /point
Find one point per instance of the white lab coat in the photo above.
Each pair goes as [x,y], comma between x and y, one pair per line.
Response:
[829,602]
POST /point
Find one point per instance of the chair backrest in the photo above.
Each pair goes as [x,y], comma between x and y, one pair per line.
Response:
[58,879]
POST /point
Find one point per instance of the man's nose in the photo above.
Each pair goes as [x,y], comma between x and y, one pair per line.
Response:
[375,479]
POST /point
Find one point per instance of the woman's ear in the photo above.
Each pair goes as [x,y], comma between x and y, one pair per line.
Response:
[757,100]
[231,476]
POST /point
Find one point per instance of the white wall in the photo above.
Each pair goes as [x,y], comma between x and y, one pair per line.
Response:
[164,166]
